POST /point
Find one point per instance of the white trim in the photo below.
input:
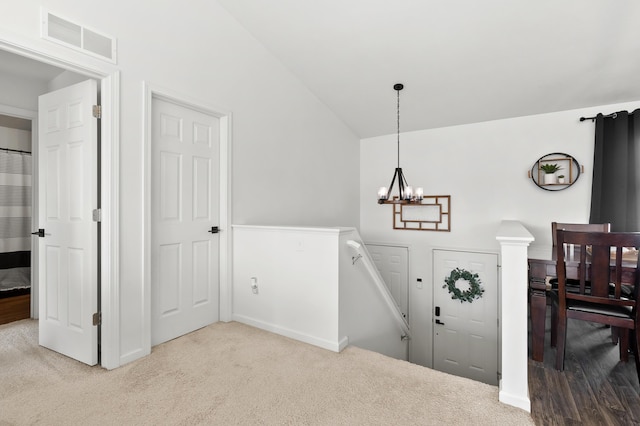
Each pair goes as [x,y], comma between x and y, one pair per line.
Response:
[110,189]
[226,282]
[334,346]
[20,113]
[24,47]
[514,239]
[521,402]
[109,204]
[151,91]
[318,229]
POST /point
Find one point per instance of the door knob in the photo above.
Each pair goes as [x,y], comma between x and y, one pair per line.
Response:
[214,230]
[439,322]
[39,233]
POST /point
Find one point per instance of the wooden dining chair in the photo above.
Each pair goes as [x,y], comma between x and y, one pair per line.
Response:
[582,227]
[572,284]
[603,301]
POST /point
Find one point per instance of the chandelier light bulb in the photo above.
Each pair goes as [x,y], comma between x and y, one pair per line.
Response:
[419,194]
[382,193]
[408,193]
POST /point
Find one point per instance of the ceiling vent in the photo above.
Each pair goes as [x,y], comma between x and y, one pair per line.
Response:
[75,36]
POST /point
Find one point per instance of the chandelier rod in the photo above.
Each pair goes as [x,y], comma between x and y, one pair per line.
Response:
[398,88]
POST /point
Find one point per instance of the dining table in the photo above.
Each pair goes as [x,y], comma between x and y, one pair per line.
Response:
[542,267]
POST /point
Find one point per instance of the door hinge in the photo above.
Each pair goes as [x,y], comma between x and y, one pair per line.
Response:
[97,318]
[97,111]
[97,215]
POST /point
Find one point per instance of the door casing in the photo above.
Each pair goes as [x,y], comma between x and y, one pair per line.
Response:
[152,91]
[109,78]
[185,254]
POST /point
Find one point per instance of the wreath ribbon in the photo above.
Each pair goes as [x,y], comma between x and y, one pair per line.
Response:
[475,289]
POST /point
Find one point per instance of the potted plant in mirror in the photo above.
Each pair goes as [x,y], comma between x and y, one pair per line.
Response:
[560,178]
[549,172]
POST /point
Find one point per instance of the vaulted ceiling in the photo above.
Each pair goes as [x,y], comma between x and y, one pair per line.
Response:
[461,61]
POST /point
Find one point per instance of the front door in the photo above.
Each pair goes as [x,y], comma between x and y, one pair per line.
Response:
[465,335]
[185,161]
[67,244]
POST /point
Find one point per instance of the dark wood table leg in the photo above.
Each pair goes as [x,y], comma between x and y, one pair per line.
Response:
[538,312]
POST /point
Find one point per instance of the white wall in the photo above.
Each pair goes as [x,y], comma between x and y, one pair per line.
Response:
[65,79]
[20,92]
[297,276]
[484,168]
[15,139]
[309,289]
[290,153]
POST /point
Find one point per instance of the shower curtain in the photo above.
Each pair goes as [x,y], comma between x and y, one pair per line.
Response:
[15,220]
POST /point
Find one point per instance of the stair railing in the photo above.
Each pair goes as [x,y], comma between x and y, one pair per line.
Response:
[360,252]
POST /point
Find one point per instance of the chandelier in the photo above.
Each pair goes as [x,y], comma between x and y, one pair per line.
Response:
[406,193]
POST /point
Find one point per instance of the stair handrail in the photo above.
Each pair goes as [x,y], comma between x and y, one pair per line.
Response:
[361,252]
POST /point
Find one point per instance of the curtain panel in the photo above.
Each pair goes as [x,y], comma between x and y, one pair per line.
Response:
[15,208]
[616,171]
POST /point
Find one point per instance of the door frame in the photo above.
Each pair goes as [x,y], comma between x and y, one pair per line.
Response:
[109,78]
[224,115]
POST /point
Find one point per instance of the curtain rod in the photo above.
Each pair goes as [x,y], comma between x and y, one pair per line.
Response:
[15,150]
[612,115]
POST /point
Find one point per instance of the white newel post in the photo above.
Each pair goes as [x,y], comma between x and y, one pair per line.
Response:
[514,386]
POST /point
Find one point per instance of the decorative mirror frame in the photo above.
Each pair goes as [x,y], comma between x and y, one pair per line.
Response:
[569,168]
[432,214]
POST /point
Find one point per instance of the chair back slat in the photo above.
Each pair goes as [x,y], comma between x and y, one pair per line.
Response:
[582,227]
[583,272]
[600,270]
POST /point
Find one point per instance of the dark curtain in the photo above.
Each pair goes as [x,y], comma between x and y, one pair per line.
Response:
[616,171]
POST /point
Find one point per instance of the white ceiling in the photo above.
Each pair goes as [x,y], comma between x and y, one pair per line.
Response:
[461,61]
[26,68]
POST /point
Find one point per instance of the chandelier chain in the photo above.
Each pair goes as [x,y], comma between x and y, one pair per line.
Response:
[398,122]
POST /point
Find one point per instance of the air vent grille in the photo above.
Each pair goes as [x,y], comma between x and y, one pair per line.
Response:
[75,36]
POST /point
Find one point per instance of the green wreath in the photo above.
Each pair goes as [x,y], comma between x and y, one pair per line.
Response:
[475,290]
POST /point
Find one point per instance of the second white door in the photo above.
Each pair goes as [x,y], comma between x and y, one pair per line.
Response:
[393,264]
[185,161]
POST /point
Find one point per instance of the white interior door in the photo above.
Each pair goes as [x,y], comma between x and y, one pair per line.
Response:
[465,335]
[185,158]
[67,195]
[393,264]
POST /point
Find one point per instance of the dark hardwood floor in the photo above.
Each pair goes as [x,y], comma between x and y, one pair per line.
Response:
[595,387]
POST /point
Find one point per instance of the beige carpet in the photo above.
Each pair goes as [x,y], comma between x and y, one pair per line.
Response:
[230,373]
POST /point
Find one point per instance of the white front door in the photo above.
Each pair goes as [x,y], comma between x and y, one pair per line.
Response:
[185,158]
[393,264]
[67,195]
[465,335]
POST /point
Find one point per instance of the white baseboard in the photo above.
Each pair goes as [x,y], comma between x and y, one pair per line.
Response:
[516,401]
[334,346]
